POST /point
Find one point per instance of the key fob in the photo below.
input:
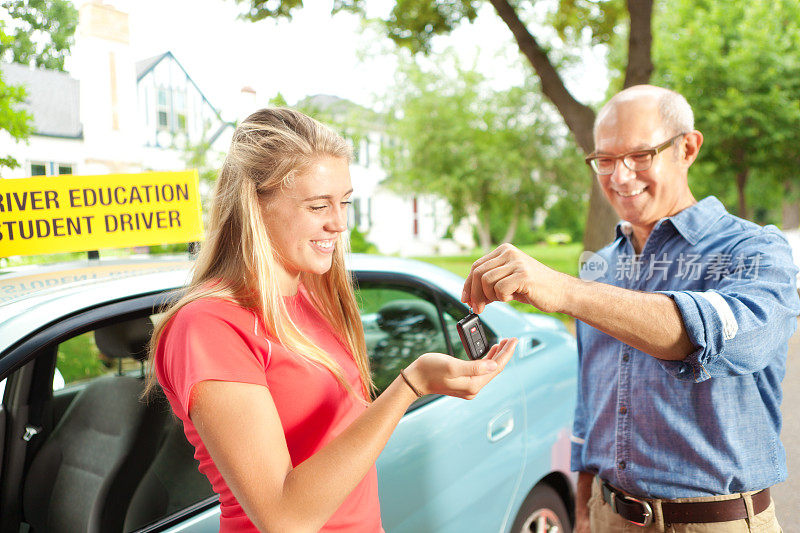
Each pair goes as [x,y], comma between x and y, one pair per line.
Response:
[473,337]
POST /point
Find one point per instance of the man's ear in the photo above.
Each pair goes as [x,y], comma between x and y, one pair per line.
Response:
[691,147]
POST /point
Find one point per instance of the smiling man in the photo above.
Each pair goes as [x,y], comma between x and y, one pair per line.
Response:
[631,130]
[682,336]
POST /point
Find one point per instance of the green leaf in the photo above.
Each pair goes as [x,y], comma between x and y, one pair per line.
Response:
[738,64]
[495,154]
[43,32]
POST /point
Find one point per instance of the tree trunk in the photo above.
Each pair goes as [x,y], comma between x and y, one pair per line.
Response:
[741,181]
[601,220]
[640,43]
[578,117]
[484,235]
[512,226]
[790,210]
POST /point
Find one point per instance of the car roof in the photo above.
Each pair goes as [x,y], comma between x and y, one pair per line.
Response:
[34,296]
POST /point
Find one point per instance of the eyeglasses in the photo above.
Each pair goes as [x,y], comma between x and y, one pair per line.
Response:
[637,161]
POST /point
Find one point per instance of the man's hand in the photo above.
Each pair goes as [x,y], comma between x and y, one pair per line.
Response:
[509,274]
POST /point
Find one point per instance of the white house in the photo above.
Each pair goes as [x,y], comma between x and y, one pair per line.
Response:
[57,146]
[110,113]
[173,109]
[113,113]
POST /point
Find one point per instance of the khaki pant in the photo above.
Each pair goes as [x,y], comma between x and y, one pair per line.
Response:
[603,520]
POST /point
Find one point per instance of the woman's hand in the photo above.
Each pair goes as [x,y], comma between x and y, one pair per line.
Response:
[437,373]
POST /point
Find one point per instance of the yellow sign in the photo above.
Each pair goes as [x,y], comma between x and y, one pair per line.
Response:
[79,213]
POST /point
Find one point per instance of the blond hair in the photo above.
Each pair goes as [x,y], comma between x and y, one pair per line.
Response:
[238,263]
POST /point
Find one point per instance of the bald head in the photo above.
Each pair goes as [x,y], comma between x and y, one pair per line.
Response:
[673,109]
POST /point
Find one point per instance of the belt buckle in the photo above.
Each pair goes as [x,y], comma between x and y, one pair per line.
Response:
[647,511]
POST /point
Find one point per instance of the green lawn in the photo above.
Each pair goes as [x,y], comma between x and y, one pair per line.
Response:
[561,257]
[79,359]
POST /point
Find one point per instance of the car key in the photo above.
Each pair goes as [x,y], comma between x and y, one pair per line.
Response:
[473,337]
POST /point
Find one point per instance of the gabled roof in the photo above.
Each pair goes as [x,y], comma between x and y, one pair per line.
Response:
[52,97]
[336,108]
[144,67]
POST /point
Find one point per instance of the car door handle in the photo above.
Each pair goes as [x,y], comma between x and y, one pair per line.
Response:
[501,425]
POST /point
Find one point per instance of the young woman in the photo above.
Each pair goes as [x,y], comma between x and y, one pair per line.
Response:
[264,358]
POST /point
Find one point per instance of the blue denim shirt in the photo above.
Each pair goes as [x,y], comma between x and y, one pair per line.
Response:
[709,424]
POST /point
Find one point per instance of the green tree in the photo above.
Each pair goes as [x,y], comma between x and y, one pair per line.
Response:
[414,23]
[196,155]
[738,64]
[17,122]
[490,154]
[39,33]
[43,32]
[278,101]
[565,215]
[359,243]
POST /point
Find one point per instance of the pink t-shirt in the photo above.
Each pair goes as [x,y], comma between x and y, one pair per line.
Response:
[213,339]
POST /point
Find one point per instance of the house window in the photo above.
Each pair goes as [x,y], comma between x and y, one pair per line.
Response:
[163,109]
[38,169]
[179,110]
[50,168]
[171,110]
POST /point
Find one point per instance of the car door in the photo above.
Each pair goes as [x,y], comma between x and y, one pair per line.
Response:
[51,373]
[451,464]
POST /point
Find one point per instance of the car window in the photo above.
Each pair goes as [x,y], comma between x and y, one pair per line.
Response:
[400,324]
[79,361]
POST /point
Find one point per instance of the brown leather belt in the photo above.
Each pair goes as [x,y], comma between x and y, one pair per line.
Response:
[640,512]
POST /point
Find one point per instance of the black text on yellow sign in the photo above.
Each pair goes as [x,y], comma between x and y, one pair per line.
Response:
[79,213]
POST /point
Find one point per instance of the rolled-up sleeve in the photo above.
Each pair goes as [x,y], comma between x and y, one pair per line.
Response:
[576,446]
[745,316]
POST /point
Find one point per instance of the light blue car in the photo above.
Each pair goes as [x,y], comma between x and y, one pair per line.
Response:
[80,452]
